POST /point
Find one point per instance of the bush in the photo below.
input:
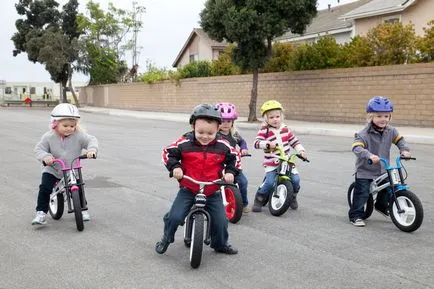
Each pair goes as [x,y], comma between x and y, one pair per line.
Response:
[195,69]
[357,53]
[425,44]
[153,74]
[223,65]
[281,58]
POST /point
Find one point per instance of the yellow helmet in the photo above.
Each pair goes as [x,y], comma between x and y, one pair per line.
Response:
[270,105]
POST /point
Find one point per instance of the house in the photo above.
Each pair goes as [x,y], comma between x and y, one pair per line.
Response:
[366,17]
[199,47]
[327,22]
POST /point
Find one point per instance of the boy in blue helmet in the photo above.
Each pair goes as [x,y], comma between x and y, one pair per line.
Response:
[372,142]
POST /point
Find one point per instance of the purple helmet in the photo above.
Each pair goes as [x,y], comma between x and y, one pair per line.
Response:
[379,104]
[227,110]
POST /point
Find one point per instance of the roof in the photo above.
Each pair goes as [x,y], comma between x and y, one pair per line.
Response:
[328,20]
[378,7]
[203,37]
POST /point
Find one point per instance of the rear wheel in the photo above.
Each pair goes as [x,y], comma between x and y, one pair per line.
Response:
[196,246]
[369,206]
[234,208]
[410,217]
[56,205]
[77,210]
[280,198]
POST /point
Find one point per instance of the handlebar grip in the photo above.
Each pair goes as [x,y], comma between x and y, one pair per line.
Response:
[44,164]
[247,155]
[82,157]
[370,162]
[411,158]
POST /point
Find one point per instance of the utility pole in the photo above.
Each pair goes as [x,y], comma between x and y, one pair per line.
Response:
[135,32]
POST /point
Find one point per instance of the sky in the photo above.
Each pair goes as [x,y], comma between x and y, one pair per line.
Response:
[166,26]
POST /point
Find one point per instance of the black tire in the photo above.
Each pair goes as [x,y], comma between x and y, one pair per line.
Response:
[279,200]
[234,209]
[56,206]
[196,247]
[411,219]
[369,207]
[77,210]
[187,243]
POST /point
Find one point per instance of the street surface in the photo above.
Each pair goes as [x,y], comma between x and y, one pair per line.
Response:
[129,191]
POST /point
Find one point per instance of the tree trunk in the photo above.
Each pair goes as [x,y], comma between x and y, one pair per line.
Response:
[72,89]
[63,96]
[269,46]
[253,97]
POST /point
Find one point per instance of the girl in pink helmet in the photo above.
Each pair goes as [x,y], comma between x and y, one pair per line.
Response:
[227,131]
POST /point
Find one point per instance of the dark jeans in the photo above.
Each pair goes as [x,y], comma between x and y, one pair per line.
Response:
[242,182]
[360,197]
[267,185]
[48,182]
[181,206]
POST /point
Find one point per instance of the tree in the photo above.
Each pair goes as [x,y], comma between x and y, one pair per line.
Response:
[104,42]
[426,44]
[252,25]
[48,35]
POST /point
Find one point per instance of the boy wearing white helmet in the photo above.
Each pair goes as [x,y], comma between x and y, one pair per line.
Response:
[63,141]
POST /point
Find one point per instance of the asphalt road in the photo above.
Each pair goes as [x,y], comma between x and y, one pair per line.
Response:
[129,191]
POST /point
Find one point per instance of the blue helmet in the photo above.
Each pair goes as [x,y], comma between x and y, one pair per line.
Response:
[379,104]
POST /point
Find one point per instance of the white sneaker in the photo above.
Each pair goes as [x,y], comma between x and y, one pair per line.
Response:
[86,216]
[358,222]
[40,218]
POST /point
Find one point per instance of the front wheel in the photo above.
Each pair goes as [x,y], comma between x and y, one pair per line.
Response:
[234,208]
[410,217]
[369,207]
[56,205]
[280,198]
[196,246]
[75,195]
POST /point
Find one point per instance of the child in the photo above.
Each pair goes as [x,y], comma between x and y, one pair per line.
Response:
[227,131]
[373,142]
[275,133]
[202,156]
[64,141]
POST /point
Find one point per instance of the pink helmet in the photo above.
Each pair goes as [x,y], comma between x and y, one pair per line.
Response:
[227,110]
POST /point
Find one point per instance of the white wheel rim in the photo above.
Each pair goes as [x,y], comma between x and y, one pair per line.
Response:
[192,240]
[409,215]
[53,204]
[279,196]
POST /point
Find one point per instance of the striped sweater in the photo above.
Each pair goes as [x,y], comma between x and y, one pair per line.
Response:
[282,136]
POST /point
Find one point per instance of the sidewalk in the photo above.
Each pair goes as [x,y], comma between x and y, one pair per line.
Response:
[412,134]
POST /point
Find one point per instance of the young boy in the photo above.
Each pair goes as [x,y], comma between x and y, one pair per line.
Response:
[202,156]
[373,142]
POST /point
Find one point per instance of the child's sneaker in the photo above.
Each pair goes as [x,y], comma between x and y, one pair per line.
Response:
[257,204]
[162,246]
[293,204]
[246,209]
[358,222]
[382,210]
[86,216]
[40,218]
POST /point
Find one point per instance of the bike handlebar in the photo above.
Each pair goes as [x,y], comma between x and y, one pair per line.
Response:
[62,163]
[282,154]
[219,182]
[398,158]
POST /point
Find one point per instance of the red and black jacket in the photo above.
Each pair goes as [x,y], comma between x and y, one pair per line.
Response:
[201,162]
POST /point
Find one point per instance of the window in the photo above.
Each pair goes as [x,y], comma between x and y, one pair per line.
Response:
[8,90]
[392,19]
[194,57]
[32,90]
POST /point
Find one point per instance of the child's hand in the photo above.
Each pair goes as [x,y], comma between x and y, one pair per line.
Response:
[229,178]
[272,145]
[303,154]
[406,154]
[244,152]
[178,173]
[48,160]
[91,155]
[375,159]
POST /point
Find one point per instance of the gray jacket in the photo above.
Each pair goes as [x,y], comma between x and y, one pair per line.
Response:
[370,142]
[67,149]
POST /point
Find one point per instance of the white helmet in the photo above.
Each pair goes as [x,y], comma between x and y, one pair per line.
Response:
[63,111]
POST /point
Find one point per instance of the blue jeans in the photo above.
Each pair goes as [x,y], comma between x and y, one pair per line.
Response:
[242,182]
[181,206]
[269,181]
[360,197]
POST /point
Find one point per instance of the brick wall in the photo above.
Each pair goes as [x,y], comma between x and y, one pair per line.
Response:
[334,95]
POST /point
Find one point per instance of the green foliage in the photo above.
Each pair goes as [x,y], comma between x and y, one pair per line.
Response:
[153,74]
[426,44]
[195,69]
[392,43]
[357,53]
[281,58]
[223,65]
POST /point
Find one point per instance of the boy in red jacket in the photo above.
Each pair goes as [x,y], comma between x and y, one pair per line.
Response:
[202,156]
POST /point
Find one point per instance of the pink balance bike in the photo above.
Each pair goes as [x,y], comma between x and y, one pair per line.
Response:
[69,189]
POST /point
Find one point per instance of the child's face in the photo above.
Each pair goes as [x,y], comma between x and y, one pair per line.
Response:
[205,130]
[381,119]
[273,117]
[66,127]
[226,125]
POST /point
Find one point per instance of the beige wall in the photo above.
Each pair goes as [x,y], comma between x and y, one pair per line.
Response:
[419,14]
[334,95]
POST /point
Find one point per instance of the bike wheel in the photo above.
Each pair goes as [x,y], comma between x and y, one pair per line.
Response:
[56,205]
[196,246]
[412,216]
[77,210]
[369,206]
[187,239]
[279,200]
[234,208]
